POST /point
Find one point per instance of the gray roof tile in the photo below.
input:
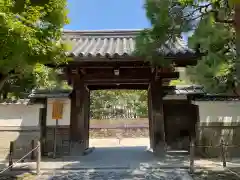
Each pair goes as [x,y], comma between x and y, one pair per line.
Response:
[17,102]
[114,43]
[44,93]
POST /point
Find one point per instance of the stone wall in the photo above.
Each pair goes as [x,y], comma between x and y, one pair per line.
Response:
[120,133]
[218,120]
[19,123]
[210,135]
[116,123]
[21,138]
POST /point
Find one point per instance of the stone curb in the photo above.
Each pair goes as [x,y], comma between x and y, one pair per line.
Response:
[102,168]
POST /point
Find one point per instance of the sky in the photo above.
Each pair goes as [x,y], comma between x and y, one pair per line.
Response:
[106,14]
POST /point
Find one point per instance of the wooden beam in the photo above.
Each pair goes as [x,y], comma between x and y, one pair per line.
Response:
[107,64]
[124,74]
[166,89]
[120,86]
[117,81]
[183,62]
[179,58]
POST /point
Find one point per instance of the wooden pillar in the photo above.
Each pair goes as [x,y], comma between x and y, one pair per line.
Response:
[86,117]
[77,115]
[150,119]
[194,121]
[78,119]
[156,96]
[73,116]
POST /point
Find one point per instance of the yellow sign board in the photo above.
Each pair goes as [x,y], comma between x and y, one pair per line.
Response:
[57,110]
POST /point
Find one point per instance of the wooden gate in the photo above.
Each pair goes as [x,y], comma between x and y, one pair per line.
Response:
[180,119]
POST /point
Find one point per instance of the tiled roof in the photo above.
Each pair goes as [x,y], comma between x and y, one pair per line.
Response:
[50,93]
[189,89]
[114,43]
[17,102]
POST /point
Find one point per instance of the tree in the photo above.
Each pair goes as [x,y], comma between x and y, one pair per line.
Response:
[40,77]
[111,103]
[212,24]
[30,33]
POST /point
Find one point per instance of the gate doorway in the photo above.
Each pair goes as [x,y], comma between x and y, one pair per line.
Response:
[118,118]
[180,120]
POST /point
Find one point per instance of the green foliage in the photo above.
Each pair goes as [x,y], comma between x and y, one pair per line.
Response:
[171,18]
[30,33]
[177,82]
[114,102]
[168,23]
[216,70]
[39,77]
[48,78]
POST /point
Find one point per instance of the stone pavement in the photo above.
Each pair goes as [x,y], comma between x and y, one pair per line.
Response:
[119,158]
[111,157]
[113,174]
[121,162]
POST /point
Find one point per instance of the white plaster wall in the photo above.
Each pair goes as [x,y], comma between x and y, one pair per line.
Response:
[66,111]
[218,119]
[219,111]
[182,74]
[19,115]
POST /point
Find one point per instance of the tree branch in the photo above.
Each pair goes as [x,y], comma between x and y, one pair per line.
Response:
[3,79]
[217,18]
[200,9]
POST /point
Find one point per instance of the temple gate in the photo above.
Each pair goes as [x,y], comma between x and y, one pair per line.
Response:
[104,60]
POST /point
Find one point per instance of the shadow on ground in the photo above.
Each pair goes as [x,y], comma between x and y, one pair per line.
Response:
[125,157]
[17,174]
[207,174]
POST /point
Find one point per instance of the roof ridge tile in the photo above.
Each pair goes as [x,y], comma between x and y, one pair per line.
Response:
[110,43]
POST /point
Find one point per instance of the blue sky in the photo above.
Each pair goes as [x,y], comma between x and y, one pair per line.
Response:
[106,14]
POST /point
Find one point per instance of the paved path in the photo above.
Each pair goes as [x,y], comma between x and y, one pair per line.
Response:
[113,174]
[125,163]
[112,157]
[120,162]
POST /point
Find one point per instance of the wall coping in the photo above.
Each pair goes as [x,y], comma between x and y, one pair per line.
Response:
[218,124]
[19,128]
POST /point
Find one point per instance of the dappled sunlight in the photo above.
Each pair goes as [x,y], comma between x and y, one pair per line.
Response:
[218,120]
[125,174]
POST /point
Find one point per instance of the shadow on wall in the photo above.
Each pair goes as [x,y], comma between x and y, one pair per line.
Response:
[210,133]
[18,124]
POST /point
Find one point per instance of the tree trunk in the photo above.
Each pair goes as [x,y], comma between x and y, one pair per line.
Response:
[237,29]
[3,79]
